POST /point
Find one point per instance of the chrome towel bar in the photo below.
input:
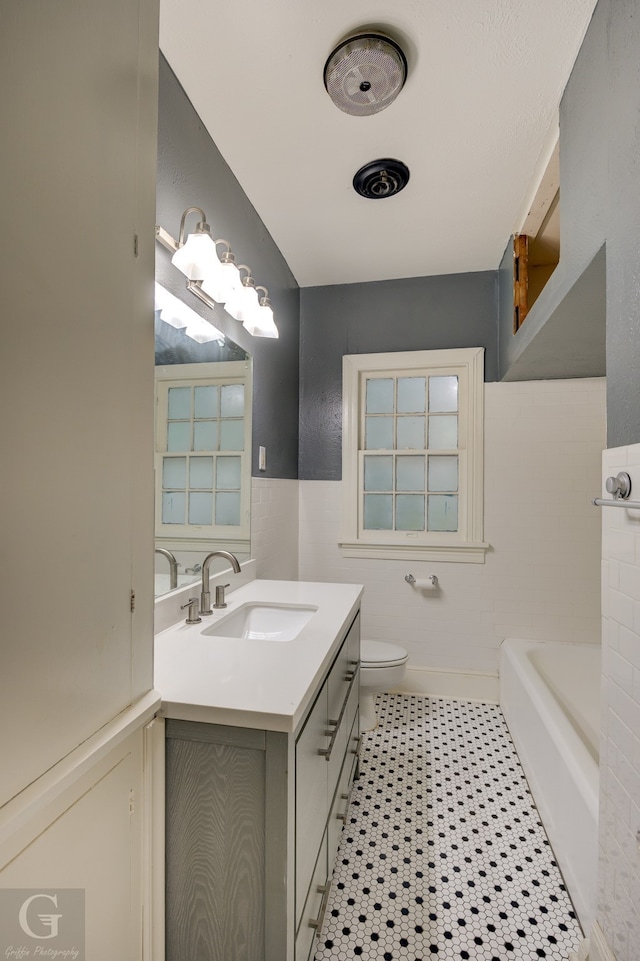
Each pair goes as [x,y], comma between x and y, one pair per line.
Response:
[620,487]
[615,502]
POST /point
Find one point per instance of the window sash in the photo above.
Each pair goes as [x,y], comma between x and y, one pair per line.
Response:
[467,542]
[222,374]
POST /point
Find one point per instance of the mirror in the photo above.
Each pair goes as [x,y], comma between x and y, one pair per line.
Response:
[203,384]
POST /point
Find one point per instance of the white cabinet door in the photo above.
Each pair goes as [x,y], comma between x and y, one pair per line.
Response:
[76,371]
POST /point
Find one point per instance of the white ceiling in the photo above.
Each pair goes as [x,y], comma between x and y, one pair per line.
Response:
[475,123]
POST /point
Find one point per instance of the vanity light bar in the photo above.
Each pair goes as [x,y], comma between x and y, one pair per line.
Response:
[164,237]
[195,287]
[259,315]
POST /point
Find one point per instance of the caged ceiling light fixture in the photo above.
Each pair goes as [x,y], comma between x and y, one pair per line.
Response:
[217,279]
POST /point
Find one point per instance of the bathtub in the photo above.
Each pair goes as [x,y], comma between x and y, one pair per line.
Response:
[550,697]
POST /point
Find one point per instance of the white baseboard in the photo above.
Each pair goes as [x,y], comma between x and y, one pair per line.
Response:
[599,950]
[459,685]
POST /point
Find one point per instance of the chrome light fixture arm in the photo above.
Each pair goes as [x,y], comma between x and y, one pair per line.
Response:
[202,227]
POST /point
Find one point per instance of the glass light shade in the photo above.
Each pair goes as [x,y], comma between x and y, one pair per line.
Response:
[242,304]
[221,280]
[195,256]
[261,322]
[203,332]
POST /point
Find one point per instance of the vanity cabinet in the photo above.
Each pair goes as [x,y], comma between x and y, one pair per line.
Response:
[253,824]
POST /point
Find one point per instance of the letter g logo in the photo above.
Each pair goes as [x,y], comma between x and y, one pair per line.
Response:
[48,921]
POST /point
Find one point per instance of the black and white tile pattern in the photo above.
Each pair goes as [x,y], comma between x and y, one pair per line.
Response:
[443,854]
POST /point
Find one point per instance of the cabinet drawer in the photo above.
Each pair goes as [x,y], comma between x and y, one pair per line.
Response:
[353,642]
[343,668]
[311,916]
[340,804]
[341,744]
[311,796]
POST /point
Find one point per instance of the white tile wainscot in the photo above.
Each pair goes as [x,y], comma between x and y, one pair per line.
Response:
[543,448]
[274,527]
[618,929]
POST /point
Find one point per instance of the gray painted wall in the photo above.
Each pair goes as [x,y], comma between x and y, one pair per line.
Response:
[192,172]
[618,24]
[420,313]
[593,298]
[564,333]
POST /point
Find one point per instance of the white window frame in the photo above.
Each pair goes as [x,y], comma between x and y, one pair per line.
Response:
[466,545]
[235,538]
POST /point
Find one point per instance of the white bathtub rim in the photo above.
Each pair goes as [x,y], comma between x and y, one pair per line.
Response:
[579,759]
[569,814]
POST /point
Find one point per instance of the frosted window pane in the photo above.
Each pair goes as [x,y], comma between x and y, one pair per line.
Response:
[205,401]
[443,394]
[179,403]
[443,432]
[200,507]
[205,435]
[411,433]
[173,505]
[201,473]
[378,512]
[378,473]
[412,395]
[410,474]
[378,433]
[228,509]
[232,400]
[232,435]
[178,436]
[443,474]
[410,512]
[379,396]
[174,472]
[228,473]
[443,512]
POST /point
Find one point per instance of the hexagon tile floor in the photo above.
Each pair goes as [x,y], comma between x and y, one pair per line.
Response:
[443,853]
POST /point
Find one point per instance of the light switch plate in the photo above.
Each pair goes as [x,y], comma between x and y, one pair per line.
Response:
[262,458]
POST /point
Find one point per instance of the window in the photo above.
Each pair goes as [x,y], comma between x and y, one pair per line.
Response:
[202,453]
[412,455]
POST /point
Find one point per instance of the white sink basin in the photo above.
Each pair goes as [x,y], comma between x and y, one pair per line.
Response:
[263,622]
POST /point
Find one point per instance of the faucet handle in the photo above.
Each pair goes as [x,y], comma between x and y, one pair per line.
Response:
[192,617]
[220,601]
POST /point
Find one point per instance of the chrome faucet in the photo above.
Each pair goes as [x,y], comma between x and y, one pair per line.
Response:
[205,596]
[173,567]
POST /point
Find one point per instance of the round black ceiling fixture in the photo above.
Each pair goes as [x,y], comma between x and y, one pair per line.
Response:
[365,73]
[381,178]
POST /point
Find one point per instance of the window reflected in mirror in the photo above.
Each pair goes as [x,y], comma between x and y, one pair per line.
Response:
[203,387]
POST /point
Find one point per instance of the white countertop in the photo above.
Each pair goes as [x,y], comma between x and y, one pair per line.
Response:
[253,683]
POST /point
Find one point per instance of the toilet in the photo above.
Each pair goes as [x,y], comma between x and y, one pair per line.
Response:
[382,667]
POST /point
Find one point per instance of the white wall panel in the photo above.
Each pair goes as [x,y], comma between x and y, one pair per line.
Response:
[543,444]
[77,171]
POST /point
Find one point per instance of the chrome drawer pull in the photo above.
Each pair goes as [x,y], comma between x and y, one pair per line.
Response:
[322,889]
[325,752]
[341,817]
